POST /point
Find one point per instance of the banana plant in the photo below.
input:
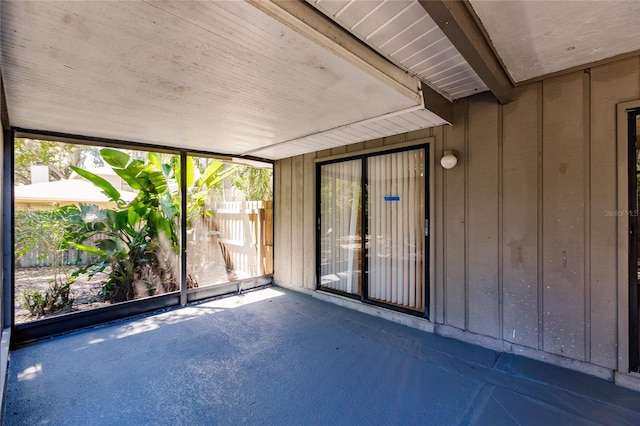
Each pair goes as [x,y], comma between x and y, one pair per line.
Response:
[140,239]
[199,185]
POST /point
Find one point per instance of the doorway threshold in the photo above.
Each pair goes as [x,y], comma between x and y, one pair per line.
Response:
[630,380]
[412,321]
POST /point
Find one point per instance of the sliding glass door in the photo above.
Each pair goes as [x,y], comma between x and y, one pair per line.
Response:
[341,227]
[382,196]
[396,224]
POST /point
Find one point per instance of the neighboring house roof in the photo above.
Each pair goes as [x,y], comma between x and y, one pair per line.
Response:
[63,192]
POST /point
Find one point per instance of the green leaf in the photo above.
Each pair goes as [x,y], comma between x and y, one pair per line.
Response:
[115,158]
[210,172]
[132,174]
[211,179]
[89,249]
[155,160]
[168,171]
[140,207]
[190,172]
[107,245]
[108,189]
[168,206]
[131,217]
[173,168]
[158,180]
[161,225]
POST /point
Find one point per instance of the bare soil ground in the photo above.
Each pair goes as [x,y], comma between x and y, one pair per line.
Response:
[85,292]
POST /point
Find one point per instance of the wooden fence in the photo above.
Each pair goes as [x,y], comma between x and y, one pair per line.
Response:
[38,256]
[245,231]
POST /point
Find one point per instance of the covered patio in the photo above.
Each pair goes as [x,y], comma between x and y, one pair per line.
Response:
[500,286]
[274,356]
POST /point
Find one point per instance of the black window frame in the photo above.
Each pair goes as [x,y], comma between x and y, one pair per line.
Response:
[64,323]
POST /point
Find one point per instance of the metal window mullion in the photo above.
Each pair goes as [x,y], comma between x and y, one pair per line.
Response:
[364,199]
[634,349]
[8,237]
[183,227]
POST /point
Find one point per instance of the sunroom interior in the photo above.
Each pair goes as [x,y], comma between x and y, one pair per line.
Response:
[521,245]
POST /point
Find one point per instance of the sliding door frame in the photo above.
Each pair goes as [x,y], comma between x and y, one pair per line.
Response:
[624,373]
[634,318]
[427,145]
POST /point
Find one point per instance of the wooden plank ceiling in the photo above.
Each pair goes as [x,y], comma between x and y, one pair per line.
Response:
[227,77]
[535,39]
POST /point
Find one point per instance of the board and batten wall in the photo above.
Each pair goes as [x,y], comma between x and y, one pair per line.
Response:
[524,228]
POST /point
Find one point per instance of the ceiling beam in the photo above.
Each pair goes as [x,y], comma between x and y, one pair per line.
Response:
[437,104]
[454,19]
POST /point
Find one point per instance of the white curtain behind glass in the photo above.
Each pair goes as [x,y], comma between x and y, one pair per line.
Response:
[396,220]
[340,230]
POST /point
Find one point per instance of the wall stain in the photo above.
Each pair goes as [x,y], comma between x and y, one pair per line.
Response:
[563,168]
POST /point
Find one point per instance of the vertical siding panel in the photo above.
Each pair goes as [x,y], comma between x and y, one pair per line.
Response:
[610,84]
[454,218]
[419,134]
[2,277]
[284,276]
[297,221]
[309,217]
[375,143]
[323,153]
[355,147]
[563,216]
[395,139]
[437,217]
[520,218]
[483,303]
[339,150]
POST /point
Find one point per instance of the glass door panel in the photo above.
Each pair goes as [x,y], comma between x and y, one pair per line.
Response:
[341,226]
[396,229]
[634,240]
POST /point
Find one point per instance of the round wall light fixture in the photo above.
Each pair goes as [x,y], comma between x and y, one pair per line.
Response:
[449,159]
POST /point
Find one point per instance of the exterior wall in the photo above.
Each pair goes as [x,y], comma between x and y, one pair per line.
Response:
[1,209]
[526,253]
[3,127]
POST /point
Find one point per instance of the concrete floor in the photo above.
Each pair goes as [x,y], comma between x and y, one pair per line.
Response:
[277,357]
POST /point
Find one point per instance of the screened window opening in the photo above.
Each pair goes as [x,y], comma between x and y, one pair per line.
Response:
[229,221]
[99,226]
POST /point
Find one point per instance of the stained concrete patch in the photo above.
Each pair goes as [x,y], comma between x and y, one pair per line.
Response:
[279,357]
[507,407]
[570,380]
